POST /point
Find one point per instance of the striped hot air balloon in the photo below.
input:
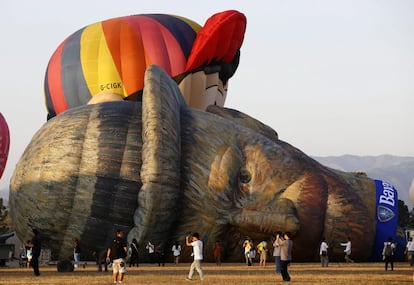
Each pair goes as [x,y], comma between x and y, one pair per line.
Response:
[111,56]
[4,143]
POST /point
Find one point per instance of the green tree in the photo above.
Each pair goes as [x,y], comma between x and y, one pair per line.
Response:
[403,214]
[3,215]
[410,223]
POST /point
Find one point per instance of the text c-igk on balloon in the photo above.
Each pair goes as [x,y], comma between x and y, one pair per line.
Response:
[111,85]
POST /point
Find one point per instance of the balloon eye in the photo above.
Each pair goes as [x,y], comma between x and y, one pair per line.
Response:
[245,176]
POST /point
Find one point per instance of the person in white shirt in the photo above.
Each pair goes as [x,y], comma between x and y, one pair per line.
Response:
[276,251]
[176,249]
[323,253]
[248,245]
[151,249]
[409,251]
[347,250]
[197,245]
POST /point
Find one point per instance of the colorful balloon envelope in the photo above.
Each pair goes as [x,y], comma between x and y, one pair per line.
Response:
[111,56]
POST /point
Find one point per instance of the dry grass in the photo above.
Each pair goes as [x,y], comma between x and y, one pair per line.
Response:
[227,274]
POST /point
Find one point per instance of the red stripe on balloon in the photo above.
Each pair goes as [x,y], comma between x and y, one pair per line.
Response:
[160,46]
[54,80]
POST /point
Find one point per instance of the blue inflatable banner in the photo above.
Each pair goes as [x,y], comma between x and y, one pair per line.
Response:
[386,216]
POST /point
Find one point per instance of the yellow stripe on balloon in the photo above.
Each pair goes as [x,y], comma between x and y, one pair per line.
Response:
[195,26]
[98,67]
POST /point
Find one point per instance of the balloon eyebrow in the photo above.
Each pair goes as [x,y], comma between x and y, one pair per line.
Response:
[215,85]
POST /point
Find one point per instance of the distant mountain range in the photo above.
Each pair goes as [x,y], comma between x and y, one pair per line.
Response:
[397,170]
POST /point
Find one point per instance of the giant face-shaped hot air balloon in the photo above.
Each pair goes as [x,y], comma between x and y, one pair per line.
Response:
[158,170]
[111,57]
[4,143]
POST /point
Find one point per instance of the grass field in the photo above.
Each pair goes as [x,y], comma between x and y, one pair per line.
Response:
[227,274]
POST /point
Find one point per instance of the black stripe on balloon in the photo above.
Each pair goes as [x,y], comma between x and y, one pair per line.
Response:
[73,81]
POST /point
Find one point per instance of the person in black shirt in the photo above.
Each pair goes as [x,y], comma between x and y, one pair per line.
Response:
[36,247]
[160,253]
[117,251]
[134,253]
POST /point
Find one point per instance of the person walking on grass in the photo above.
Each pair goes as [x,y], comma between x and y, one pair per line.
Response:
[347,250]
[217,252]
[160,253]
[285,254]
[276,251]
[151,249]
[388,253]
[176,250]
[29,252]
[133,260]
[76,253]
[262,250]
[248,246]
[409,251]
[117,251]
[36,248]
[197,245]
[323,253]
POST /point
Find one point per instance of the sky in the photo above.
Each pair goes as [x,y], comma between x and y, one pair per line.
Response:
[331,77]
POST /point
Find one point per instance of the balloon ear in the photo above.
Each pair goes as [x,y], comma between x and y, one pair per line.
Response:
[219,40]
[162,103]
[244,120]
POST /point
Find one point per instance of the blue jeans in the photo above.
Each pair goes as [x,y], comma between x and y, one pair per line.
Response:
[277,262]
[248,258]
[76,256]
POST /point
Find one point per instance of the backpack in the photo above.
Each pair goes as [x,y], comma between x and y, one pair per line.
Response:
[388,250]
[252,253]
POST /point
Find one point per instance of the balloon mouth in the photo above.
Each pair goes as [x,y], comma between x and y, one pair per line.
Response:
[267,221]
